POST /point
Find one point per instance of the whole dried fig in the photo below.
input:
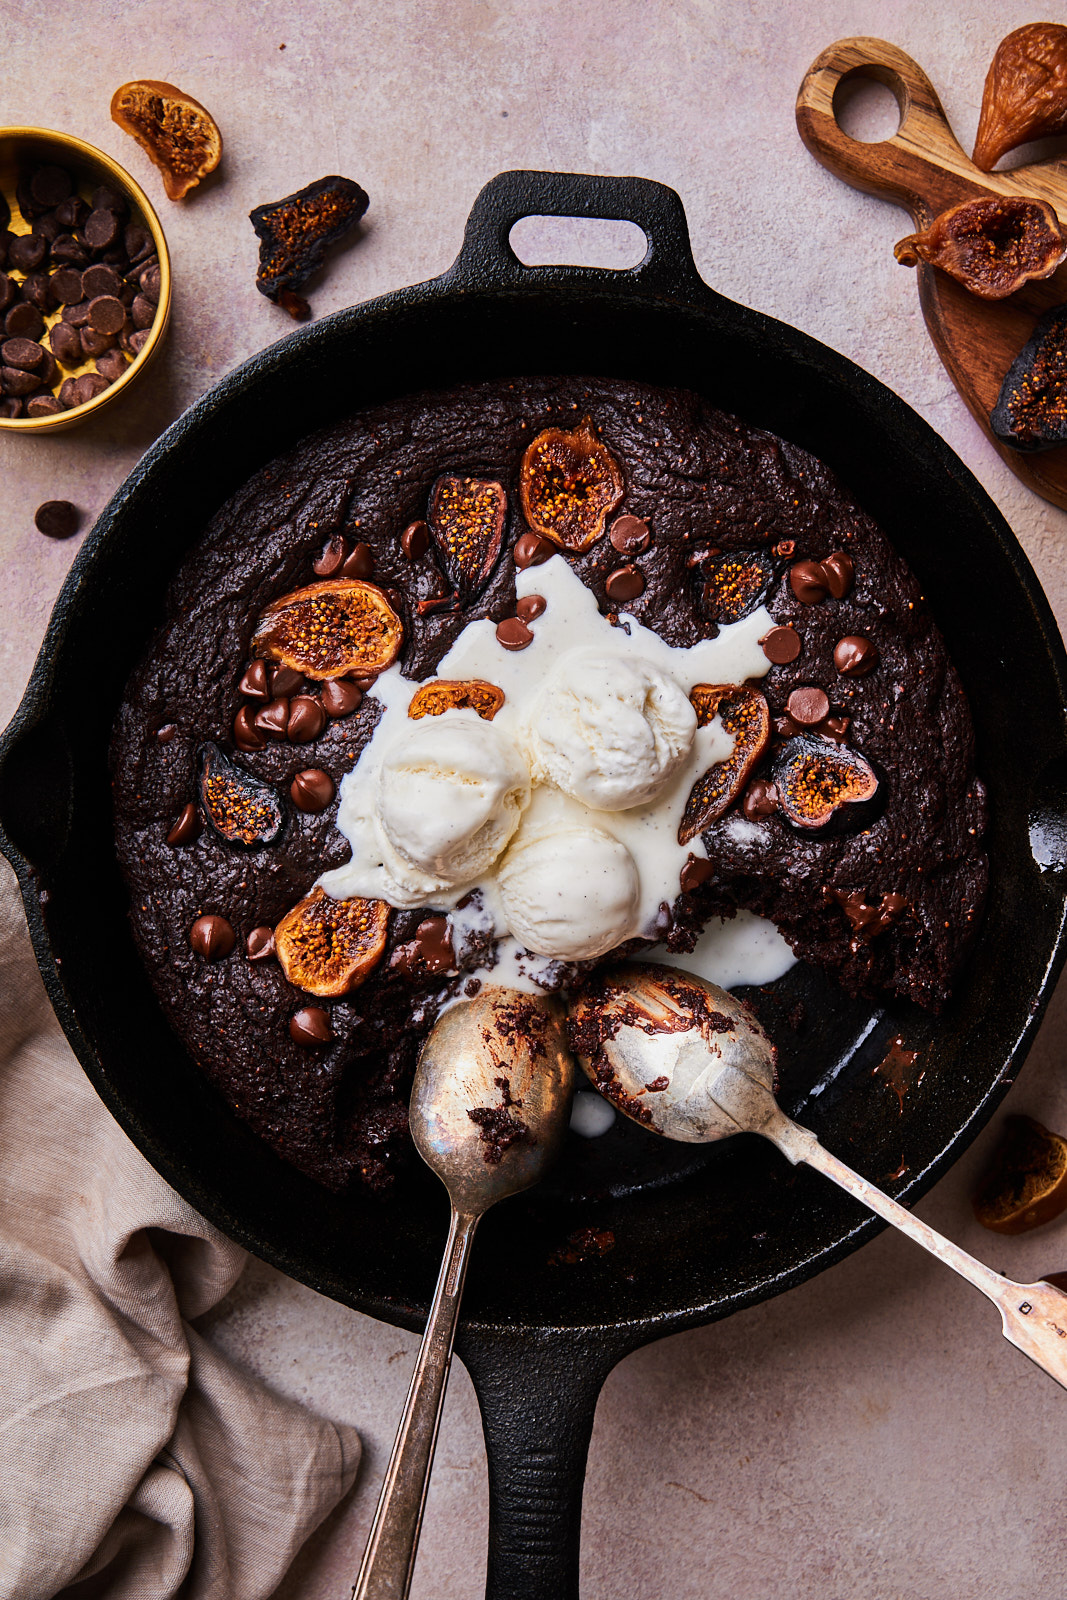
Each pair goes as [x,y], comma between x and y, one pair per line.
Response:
[992,245]
[177,133]
[1025,95]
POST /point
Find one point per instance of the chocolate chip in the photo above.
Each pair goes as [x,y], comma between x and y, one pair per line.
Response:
[760,799]
[142,312]
[107,199]
[94,343]
[68,251]
[152,283]
[24,353]
[306,720]
[363,683]
[37,289]
[854,655]
[808,706]
[68,391]
[9,290]
[513,634]
[166,733]
[287,681]
[360,564]
[781,645]
[332,556]
[107,314]
[212,937]
[65,343]
[415,540]
[101,229]
[312,790]
[255,685]
[809,582]
[187,826]
[24,321]
[111,365]
[839,573]
[27,251]
[100,279]
[530,607]
[48,227]
[89,386]
[43,405]
[138,339]
[259,946]
[13,381]
[630,535]
[340,697]
[50,185]
[71,213]
[429,952]
[311,1026]
[625,583]
[10,409]
[532,550]
[246,736]
[272,718]
[138,243]
[76,313]
[695,872]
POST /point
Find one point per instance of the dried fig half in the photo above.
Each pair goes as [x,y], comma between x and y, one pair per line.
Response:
[438,695]
[1026,1182]
[466,521]
[1025,94]
[1031,408]
[992,245]
[744,713]
[736,584]
[240,807]
[816,780]
[177,133]
[328,947]
[295,233]
[569,485]
[342,627]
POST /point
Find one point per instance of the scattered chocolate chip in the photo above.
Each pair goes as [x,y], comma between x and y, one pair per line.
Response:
[809,582]
[24,353]
[27,251]
[311,1026]
[781,645]
[331,557]
[273,718]
[312,790]
[532,550]
[630,535]
[429,952]
[287,681]
[57,519]
[187,826]
[306,719]
[212,937]
[340,697]
[808,706]
[255,684]
[246,736]
[360,564]
[24,321]
[625,583]
[760,799]
[101,228]
[513,634]
[839,573]
[530,607]
[855,655]
[259,946]
[696,871]
[415,540]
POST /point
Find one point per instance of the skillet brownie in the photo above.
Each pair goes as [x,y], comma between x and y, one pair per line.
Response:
[848,811]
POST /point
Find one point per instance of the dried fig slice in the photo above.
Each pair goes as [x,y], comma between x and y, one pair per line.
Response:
[569,485]
[736,584]
[1026,1182]
[177,133]
[340,628]
[992,245]
[296,232]
[1025,94]
[1031,408]
[240,807]
[328,947]
[456,694]
[466,521]
[816,779]
[744,713]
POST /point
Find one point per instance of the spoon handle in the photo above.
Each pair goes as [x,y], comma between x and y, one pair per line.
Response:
[389,1559]
[1033,1315]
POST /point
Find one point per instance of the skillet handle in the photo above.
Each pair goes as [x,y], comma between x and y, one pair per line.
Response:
[486,258]
[538,1395]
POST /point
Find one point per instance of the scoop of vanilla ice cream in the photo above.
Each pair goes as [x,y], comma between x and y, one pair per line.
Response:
[570,895]
[450,793]
[610,730]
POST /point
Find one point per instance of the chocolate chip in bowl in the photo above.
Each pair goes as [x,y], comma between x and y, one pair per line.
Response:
[84,282]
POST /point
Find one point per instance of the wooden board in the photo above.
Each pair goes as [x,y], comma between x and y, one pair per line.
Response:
[924,169]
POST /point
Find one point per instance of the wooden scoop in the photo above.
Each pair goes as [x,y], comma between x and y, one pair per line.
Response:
[923,169]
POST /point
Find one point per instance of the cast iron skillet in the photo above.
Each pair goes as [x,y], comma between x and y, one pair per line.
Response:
[699,1233]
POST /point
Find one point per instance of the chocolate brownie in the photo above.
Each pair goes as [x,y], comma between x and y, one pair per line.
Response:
[886,896]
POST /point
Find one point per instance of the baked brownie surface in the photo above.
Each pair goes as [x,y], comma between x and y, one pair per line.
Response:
[706,484]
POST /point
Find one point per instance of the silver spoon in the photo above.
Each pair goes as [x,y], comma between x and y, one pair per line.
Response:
[685,1059]
[504,1058]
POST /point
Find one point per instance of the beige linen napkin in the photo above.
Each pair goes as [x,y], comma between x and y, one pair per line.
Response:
[136,1462]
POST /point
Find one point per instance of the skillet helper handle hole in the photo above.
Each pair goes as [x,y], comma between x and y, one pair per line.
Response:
[488,259]
[920,166]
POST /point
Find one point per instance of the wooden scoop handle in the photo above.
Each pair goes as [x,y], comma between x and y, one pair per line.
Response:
[922,167]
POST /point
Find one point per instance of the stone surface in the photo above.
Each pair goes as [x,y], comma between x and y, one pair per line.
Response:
[869,1434]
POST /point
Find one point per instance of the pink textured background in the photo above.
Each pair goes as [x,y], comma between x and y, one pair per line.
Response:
[868,1435]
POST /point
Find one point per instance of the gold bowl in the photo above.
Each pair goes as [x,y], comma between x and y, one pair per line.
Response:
[89,167]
